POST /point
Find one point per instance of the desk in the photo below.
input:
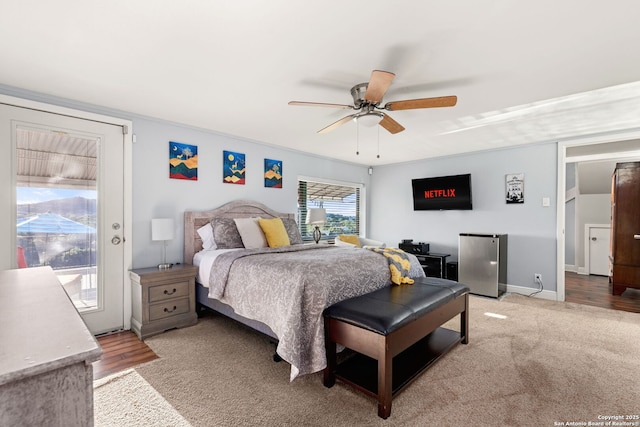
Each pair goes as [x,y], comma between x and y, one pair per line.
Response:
[434,264]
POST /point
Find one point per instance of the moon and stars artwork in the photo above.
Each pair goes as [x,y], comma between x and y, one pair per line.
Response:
[183,161]
[272,173]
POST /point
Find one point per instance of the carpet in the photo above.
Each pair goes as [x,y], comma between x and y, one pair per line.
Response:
[126,399]
[529,362]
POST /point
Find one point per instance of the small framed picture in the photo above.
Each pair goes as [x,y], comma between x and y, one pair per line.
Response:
[515,187]
[272,173]
[233,167]
[183,161]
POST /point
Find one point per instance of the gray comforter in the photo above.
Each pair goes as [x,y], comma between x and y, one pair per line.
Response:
[288,288]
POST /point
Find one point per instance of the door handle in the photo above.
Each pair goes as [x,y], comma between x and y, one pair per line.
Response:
[636,236]
[116,240]
[594,239]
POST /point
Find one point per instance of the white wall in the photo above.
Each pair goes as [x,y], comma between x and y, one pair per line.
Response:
[155,195]
[530,226]
[570,217]
[595,208]
[570,242]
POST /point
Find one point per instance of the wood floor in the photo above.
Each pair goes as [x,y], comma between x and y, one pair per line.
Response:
[124,350]
[120,351]
[596,291]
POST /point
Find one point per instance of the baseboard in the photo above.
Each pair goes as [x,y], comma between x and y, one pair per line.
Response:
[574,269]
[582,270]
[521,290]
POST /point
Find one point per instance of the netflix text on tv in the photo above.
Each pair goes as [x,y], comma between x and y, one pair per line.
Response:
[442,193]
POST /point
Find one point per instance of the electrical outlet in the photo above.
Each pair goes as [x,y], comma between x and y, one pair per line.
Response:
[537,277]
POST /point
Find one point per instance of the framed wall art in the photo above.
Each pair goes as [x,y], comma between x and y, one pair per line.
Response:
[515,187]
[272,173]
[183,161]
[233,167]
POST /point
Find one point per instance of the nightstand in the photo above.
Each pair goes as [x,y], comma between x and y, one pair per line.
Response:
[162,299]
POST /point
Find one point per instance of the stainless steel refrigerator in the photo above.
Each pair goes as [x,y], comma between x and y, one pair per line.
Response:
[482,263]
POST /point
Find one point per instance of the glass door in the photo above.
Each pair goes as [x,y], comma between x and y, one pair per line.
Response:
[68,182]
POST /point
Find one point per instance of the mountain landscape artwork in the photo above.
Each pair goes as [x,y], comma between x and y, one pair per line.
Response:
[272,173]
[183,161]
[233,167]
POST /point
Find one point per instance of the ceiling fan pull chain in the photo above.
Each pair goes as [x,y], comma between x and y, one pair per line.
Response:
[378,156]
[357,137]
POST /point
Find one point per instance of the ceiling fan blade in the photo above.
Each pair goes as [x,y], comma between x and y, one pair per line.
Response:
[319,104]
[412,104]
[391,125]
[378,85]
[334,125]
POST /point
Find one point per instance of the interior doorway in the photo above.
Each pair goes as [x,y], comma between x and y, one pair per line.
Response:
[573,233]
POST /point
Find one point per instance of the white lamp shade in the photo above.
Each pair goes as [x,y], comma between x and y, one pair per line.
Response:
[162,229]
[316,216]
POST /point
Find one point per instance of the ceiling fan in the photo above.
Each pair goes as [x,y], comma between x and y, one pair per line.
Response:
[367,98]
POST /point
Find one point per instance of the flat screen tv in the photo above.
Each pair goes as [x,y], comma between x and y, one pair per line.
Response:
[442,193]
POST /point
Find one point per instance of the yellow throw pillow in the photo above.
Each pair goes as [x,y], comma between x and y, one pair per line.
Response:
[275,232]
[350,238]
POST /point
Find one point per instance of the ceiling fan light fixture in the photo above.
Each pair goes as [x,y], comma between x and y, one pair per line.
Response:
[369,119]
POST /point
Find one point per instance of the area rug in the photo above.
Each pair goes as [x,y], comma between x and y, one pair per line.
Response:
[529,362]
[126,399]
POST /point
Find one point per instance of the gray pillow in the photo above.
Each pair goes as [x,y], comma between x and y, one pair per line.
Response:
[225,233]
[292,231]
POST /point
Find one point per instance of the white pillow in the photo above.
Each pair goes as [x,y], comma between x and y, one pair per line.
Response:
[206,234]
[251,233]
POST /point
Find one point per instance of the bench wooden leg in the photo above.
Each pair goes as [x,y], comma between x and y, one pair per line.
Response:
[330,370]
[385,384]
[464,321]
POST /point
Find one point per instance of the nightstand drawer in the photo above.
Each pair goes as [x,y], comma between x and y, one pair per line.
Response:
[172,290]
[168,309]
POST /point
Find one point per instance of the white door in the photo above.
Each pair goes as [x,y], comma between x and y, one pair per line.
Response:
[599,238]
[66,181]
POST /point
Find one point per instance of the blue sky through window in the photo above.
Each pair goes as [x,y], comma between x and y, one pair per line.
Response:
[26,195]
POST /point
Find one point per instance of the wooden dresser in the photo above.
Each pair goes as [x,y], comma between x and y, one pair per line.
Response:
[46,351]
[625,227]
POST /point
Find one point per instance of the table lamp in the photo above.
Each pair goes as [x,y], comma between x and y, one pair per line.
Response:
[317,216]
[163,229]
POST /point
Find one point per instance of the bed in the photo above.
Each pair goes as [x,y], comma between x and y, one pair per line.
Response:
[279,291]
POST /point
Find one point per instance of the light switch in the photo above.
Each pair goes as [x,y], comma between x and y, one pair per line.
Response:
[546,202]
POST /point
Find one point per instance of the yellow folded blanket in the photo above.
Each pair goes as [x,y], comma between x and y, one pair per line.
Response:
[399,264]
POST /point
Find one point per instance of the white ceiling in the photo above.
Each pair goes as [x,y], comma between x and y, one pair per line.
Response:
[523,71]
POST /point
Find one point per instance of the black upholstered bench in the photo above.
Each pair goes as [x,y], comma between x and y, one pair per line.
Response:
[397,334]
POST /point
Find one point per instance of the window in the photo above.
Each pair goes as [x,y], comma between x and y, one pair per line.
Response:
[56,211]
[342,202]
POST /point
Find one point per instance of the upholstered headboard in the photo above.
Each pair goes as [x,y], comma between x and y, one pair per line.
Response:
[236,209]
